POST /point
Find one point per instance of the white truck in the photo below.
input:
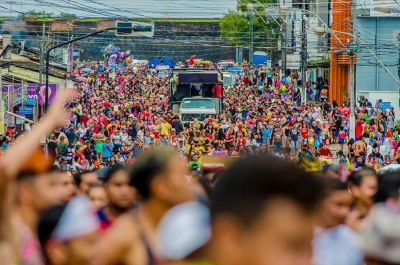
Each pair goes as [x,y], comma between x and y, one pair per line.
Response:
[200,108]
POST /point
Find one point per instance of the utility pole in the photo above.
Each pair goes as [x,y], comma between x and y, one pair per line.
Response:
[41,54]
[351,88]
[250,7]
[283,46]
[304,56]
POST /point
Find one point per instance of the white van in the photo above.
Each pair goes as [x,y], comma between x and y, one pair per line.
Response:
[199,108]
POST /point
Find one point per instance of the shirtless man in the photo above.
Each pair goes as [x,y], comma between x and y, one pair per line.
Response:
[159,177]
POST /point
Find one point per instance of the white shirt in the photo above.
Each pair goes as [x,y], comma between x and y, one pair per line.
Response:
[336,246]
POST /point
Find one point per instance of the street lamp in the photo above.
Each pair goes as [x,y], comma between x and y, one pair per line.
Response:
[46,102]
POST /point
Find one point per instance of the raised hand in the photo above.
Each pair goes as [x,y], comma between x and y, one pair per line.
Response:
[58,112]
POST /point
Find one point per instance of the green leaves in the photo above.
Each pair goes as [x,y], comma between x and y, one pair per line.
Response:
[235,27]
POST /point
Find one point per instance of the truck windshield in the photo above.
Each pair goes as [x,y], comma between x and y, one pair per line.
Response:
[198,104]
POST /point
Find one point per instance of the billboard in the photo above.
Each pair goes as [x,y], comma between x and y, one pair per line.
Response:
[35,91]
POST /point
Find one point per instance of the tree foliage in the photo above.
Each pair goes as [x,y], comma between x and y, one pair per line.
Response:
[37,14]
[235,27]
[242,4]
[67,15]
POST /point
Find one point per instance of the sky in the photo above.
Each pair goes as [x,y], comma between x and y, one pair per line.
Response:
[122,8]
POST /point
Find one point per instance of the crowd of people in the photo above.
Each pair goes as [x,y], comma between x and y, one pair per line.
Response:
[119,115]
[120,180]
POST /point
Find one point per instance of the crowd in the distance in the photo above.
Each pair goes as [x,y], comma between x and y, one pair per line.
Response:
[119,115]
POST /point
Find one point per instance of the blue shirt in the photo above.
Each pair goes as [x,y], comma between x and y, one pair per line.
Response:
[245,112]
[266,134]
[336,246]
[107,150]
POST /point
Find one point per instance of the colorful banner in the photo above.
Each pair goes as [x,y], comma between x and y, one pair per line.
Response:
[36,91]
[2,117]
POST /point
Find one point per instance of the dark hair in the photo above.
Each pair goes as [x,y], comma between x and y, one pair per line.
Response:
[147,166]
[331,185]
[112,170]
[94,186]
[48,221]
[30,174]
[388,186]
[78,177]
[356,177]
[248,184]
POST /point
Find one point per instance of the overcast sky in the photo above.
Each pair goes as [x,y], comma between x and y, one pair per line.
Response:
[122,8]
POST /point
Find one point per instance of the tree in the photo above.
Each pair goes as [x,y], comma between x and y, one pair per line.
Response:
[234,26]
[67,15]
[37,14]
[258,4]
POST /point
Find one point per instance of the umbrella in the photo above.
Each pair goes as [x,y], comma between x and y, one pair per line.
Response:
[81,78]
[86,70]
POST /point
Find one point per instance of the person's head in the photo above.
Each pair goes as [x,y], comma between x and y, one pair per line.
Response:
[363,183]
[67,182]
[121,195]
[335,206]
[262,213]
[195,157]
[39,191]
[66,240]
[160,175]
[389,189]
[85,179]
[97,195]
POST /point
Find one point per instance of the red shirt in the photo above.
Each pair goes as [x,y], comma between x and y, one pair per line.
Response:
[304,132]
[218,90]
[84,119]
[359,129]
[241,142]
[325,152]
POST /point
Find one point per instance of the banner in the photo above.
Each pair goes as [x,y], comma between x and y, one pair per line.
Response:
[35,91]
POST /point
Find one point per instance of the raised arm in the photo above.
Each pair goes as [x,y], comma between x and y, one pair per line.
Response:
[17,155]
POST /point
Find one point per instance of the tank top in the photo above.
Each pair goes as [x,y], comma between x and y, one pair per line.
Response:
[151,259]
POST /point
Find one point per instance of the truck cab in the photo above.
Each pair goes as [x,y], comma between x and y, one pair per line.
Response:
[199,108]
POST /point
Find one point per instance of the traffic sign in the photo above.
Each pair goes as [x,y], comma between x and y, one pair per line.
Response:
[385,105]
[25,110]
[30,102]
[134,28]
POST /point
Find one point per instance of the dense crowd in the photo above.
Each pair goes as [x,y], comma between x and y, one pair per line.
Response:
[120,179]
[117,116]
